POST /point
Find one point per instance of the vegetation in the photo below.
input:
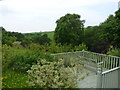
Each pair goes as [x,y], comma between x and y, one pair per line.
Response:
[25,39]
[53,75]
[114,52]
[11,79]
[21,59]
[112,29]
[69,30]
[100,38]
[31,51]
[50,34]
[94,39]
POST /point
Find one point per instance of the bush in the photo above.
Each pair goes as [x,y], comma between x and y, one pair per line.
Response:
[55,48]
[53,75]
[5,57]
[114,52]
[58,48]
[80,47]
[21,59]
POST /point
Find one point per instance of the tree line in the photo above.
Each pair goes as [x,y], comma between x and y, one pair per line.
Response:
[25,39]
[70,30]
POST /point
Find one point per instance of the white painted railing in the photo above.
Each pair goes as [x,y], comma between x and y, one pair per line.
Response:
[109,62]
[108,67]
[111,78]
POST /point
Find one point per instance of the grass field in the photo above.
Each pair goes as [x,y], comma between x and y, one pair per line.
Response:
[50,34]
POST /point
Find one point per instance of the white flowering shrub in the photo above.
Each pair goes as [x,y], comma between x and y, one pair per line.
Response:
[53,75]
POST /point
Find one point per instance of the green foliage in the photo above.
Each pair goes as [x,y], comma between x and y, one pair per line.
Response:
[69,30]
[80,47]
[39,38]
[55,48]
[58,48]
[10,37]
[42,39]
[52,75]
[99,38]
[94,39]
[114,52]
[36,47]
[26,42]
[11,79]
[50,34]
[8,40]
[112,29]
[21,59]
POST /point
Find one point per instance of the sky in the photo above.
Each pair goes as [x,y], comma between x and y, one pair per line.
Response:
[27,16]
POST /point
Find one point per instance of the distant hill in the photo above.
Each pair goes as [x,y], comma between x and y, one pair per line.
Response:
[50,34]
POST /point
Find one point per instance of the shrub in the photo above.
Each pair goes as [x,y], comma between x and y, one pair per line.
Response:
[11,79]
[53,75]
[5,57]
[114,52]
[55,48]
[58,48]
[21,59]
[80,47]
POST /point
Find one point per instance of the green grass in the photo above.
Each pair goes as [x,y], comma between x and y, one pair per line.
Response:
[11,79]
[50,34]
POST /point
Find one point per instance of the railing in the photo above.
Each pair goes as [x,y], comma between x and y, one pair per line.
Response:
[108,61]
[111,78]
[108,67]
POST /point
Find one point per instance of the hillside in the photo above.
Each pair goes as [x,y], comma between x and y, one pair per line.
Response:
[50,34]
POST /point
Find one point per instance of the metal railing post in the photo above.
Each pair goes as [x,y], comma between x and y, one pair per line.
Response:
[119,77]
[83,52]
[99,75]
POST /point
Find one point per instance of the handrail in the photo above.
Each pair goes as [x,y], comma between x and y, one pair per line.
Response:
[106,65]
[88,52]
[108,61]
[65,53]
[103,54]
[105,72]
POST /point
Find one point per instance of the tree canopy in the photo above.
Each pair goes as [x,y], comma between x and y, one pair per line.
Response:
[69,30]
[112,29]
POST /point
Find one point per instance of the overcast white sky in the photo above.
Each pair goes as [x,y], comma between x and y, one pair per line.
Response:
[40,15]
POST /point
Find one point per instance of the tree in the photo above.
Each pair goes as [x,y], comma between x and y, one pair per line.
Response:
[7,38]
[112,29]
[94,39]
[69,30]
[42,39]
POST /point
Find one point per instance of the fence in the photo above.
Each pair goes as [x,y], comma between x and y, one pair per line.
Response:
[111,78]
[108,61]
[107,66]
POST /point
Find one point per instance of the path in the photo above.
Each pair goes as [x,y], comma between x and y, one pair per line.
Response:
[89,81]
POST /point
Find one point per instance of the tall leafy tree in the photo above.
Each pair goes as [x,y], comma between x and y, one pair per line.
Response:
[94,39]
[112,29]
[69,30]
[6,37]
